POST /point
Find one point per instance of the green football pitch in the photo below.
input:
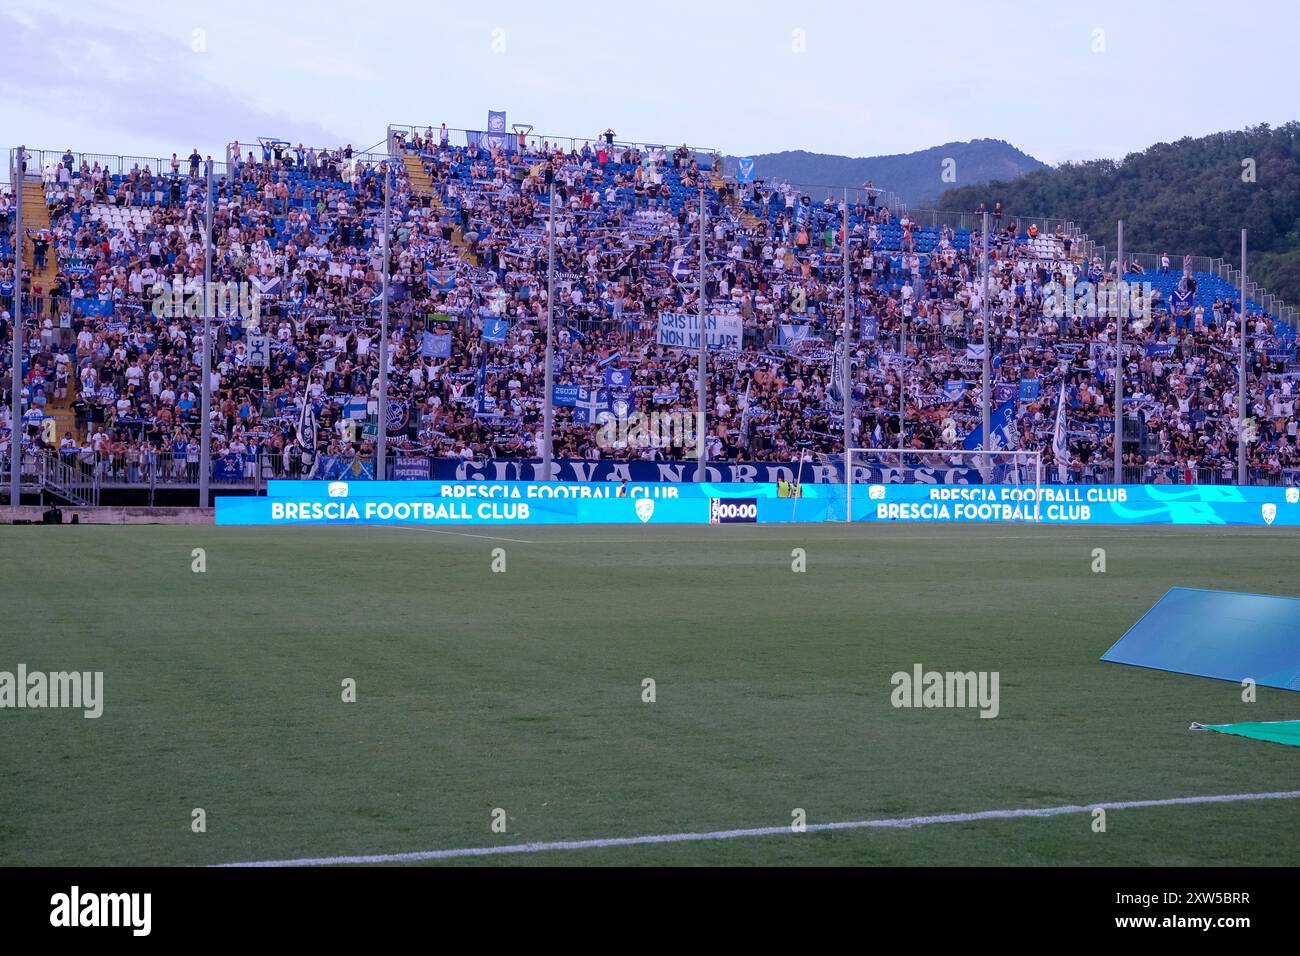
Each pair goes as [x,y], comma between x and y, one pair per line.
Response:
[517,701]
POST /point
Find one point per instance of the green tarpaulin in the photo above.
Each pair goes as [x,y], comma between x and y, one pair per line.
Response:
[1275,731]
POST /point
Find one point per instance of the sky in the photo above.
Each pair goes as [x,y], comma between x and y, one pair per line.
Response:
[1060,81]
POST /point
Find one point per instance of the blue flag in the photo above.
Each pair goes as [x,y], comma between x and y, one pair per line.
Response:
[564,395]
[589,404]
[1002,423]
[494,330]
[435,346]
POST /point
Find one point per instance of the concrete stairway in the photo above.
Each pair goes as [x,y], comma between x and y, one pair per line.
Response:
[422,186]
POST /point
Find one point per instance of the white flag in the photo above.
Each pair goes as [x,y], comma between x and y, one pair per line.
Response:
[307,433]
[1060,447]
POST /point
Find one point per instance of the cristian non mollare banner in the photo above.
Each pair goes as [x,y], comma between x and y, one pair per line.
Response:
[682,330]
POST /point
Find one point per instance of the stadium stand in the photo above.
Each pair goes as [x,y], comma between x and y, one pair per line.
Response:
[115,366]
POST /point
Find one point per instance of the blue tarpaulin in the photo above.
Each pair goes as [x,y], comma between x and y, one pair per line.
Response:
[1225,635]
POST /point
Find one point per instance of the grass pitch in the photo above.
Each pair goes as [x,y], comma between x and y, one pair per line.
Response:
[523,691]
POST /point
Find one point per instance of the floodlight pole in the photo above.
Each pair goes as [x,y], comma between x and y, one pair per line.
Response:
[902,391]
[205,426]
[701,390]
[1118,437]
[548,409]
[847,370]
[1241,374]
[985,413]
[16,390]
[381,430]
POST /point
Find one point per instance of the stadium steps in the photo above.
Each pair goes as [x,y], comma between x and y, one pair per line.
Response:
[60,409]
[458,240]
[36,216]
[747,218]
[64,419]
[422,186]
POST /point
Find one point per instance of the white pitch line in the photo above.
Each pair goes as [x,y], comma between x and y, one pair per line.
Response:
[886,823]
[461,534]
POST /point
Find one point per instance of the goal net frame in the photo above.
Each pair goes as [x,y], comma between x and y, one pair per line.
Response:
[1032,458]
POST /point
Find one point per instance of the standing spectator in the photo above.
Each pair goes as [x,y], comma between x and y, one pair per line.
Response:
[192,461]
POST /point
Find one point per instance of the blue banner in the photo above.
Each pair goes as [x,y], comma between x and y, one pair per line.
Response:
[399,413]
[245,510]
[336,467]
[1001,422]
[794,335]
[581,469]
[404,469]
[564,395]
[610,502]
[435,346]
[1059,504]
[91,307]
[495,330]
[228,468]
[590,403]
[284,488]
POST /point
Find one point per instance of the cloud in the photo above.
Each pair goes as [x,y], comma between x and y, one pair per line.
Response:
[135,82]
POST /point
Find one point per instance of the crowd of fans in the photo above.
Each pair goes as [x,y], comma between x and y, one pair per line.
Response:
[301,228]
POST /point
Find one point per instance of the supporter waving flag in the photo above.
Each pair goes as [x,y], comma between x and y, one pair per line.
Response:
[307,434]
[1061,447]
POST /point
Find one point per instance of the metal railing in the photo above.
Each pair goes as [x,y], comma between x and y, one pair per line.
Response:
[1103,473]
[1274,305]
[43,163]
[458,138]
[973,222]
[41,160]
[364,156]
[83,482]
[62,476]
[46,473]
